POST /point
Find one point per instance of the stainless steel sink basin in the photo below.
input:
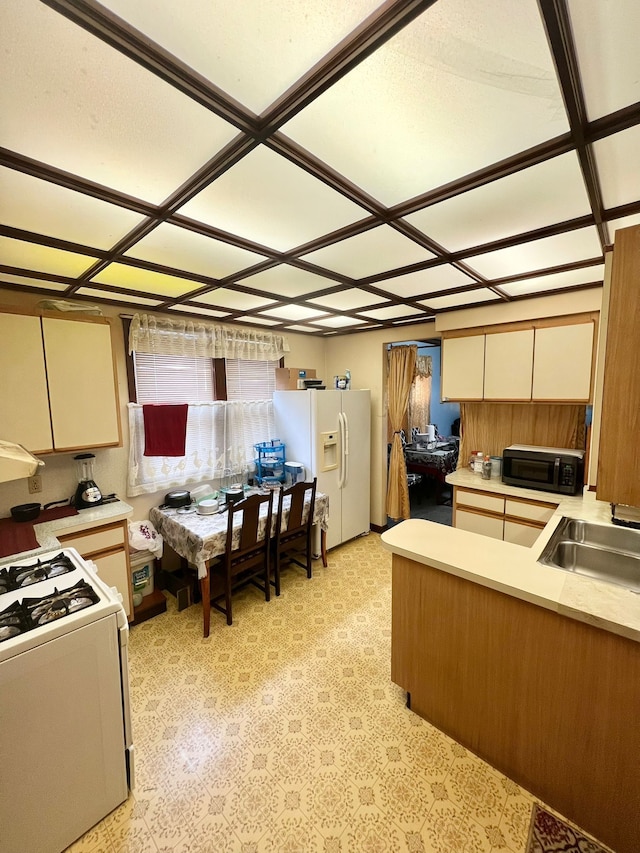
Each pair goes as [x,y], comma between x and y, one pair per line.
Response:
[599,551]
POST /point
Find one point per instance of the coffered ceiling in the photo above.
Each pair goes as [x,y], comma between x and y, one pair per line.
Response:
[321,166]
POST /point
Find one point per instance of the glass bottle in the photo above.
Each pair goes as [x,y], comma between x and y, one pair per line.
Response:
[486,468]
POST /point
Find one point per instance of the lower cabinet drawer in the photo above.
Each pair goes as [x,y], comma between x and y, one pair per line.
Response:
[479,500]
[95,540]
[521,534]
[475,522]
[529,510]
[113,569]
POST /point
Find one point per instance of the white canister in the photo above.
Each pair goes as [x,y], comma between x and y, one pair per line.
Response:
[431,432]
[496,467]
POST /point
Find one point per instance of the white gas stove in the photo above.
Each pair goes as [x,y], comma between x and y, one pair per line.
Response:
[64,683]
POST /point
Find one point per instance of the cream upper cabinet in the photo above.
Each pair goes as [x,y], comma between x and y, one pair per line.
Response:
[508,365]
[24,408]
[82,388]
[463,368]
[57,383]
[562,363]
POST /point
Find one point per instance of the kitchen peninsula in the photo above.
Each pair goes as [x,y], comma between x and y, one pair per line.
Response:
[535,669]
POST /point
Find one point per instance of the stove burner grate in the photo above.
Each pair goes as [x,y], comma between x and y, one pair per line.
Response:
[18,577]
[31,613]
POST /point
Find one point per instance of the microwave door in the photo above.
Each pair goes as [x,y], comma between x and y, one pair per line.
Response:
[539,471]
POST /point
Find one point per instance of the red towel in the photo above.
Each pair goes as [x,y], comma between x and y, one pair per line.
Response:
[165,429]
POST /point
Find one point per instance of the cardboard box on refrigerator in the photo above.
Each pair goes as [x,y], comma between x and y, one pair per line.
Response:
[287,377]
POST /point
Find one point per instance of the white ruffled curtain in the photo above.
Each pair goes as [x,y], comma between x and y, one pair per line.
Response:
[163,336]
[219,441]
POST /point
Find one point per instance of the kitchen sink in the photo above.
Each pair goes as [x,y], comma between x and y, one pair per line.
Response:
[604,552]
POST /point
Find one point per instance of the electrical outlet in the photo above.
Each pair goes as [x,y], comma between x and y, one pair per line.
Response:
[35,484]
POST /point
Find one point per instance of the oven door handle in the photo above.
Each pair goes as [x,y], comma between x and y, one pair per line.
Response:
[556,471]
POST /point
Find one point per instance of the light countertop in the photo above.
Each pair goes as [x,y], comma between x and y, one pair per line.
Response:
[85,519]
[513,569]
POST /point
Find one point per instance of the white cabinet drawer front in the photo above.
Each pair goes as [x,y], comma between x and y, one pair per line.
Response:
[520,534]
[530,511]
[94,540]
[475,522]
[480,500]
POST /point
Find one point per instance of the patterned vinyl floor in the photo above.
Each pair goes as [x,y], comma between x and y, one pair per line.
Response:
[284,733]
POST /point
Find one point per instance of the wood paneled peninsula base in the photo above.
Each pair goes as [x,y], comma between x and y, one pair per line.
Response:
[545,697]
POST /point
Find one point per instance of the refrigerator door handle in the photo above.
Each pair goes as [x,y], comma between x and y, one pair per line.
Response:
[346,449]
[341,476]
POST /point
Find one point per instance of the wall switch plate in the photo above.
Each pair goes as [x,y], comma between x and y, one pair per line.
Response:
[35,484]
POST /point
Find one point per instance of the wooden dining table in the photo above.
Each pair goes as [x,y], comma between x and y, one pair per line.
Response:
[200,539]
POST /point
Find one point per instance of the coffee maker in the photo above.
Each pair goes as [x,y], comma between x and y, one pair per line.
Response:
[87,493]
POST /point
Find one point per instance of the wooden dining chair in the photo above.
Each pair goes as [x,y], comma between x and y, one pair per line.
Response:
[246,559]
[292,540]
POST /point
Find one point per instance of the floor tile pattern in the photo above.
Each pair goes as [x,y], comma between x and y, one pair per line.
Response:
[284,734]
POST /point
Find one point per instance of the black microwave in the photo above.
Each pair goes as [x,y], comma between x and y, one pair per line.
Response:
[552,469]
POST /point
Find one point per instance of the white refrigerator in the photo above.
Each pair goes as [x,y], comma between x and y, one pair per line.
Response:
[329,432]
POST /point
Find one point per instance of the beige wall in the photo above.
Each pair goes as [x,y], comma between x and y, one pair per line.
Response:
[362,354]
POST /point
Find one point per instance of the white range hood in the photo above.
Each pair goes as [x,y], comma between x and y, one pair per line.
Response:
[16,462]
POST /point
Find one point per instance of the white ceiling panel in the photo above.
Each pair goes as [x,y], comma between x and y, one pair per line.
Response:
[348,300]
[206,312]
[426,281]
[257,321]
[391,312]
[296,328]
[228,42]
[46,208]
[626,222]
[133,278]
[8,280]
[374,251]
[268,200]
[113,296]
[339,322]
[97,113]
[233,300]
[553,191]
[287,281]
[581,244]
[18,253]
[607,35]
[471,297]
[466,71]
[292,312]
[614,156]
[570,278]
[171,245]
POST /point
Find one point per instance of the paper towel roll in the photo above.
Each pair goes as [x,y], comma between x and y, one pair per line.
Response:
[431,432]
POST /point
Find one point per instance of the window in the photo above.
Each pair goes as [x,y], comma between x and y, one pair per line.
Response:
[172,379]
[250,380]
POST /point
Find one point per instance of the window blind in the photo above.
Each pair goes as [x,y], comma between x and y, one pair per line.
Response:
[172,379]
[250,380]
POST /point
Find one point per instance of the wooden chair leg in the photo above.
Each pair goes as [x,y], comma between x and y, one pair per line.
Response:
[276,573]
[227,599]
[205,591]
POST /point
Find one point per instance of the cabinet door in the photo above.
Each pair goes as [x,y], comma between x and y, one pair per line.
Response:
[463,368]
[82,387]
[475,522]
[113,568]
[508,365]
[562,360]
[24,410]
[520,534]
[618,457]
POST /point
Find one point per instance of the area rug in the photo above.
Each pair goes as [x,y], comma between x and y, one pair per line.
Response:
[549,834]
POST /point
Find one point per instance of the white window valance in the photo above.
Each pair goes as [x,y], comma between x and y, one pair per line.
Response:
[163,336]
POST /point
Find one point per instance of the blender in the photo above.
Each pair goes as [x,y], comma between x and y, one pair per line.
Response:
[87,494]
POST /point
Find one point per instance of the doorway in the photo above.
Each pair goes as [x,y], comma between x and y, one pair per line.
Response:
[429,495]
